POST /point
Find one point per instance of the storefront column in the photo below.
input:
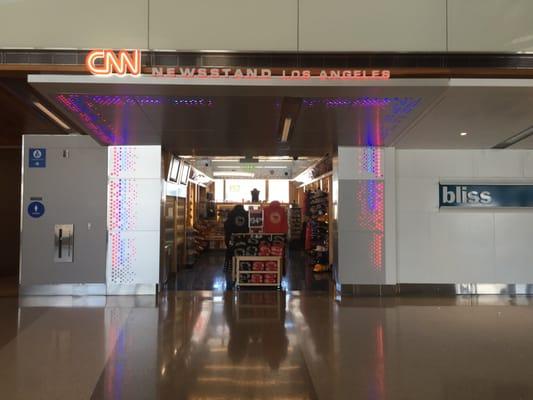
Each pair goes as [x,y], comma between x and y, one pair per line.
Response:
[133,220]
[365,228]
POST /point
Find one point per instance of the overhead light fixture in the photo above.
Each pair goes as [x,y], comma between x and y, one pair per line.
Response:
[515,138]
[249,160]
[226,160]
[51,115]
[286,129]
[234,174]
[463,133]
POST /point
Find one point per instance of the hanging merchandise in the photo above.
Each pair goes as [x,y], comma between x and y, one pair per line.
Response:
[275,218]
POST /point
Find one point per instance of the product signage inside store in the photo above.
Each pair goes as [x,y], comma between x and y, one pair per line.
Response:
[106,62]
[485,196]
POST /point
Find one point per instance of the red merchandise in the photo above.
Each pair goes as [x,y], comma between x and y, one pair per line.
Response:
[258,266]
[257,278]
[276,250]
[264,250]
[270,278]
[275,218]
[271,266]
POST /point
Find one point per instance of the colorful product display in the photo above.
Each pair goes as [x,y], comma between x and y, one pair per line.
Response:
[257,244]
[258,270]
[295,225]
[317,229]
[261,255]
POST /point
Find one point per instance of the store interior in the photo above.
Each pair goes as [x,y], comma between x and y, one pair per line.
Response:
[253,222]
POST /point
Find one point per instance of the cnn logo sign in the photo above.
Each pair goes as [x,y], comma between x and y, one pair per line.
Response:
[109,62]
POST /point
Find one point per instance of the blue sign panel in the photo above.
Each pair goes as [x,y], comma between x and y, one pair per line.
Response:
[37,158]
[485,196]
[36,209]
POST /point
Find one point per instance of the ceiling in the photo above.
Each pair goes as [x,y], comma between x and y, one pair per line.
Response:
[189,116]
[489,113]
[228,117]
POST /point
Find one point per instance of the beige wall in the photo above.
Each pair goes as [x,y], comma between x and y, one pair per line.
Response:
[379,25]
[273,25]
[74,23]
[224,25]
[490,25]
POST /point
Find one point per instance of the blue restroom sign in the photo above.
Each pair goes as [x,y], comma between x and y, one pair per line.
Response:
[36,209]
[37,158]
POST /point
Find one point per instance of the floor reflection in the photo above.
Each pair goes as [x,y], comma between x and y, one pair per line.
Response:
[256,322]
[266,345]
[233,345]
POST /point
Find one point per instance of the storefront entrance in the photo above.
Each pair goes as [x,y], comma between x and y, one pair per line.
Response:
[261,222]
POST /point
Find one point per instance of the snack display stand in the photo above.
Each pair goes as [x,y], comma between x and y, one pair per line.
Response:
[257,271]
[258,259]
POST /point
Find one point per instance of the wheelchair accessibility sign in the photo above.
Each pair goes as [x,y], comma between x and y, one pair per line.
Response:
[37,158]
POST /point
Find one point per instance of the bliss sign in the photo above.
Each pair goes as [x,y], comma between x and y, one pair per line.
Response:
[482,196]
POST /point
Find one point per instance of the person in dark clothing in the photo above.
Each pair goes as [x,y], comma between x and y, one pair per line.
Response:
[236,222]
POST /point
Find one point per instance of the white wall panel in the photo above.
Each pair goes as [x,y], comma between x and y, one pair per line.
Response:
[218,25]
[499,164]
[490,25]
[528,164]
[74,23]
[513,247]
[379,25]
[460,246]
[428,163]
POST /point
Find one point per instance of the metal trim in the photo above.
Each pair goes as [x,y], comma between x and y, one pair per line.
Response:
[87,289]
[23,149]
[139,289]
[64,289]
[437,289]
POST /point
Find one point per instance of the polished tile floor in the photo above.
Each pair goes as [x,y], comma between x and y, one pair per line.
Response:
[265,345]
[208,274]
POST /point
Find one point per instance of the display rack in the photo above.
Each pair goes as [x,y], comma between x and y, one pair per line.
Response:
[295,223]
[257,271]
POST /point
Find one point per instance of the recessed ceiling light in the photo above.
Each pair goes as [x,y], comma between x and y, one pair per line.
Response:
[234,174]
[286,130]
[463,133]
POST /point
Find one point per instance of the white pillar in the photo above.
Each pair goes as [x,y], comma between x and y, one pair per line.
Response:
[133,219]
[366,216]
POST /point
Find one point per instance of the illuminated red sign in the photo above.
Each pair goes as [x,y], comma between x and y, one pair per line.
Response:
[105,62]
[108,62]
[266,73]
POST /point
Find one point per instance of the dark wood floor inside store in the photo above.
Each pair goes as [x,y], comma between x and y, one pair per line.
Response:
[208,274]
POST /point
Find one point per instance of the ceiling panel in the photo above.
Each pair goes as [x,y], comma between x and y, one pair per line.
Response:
[488,114]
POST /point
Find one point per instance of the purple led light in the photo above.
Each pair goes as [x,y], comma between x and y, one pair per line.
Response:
[91,111]
[348,102]
[148,100]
